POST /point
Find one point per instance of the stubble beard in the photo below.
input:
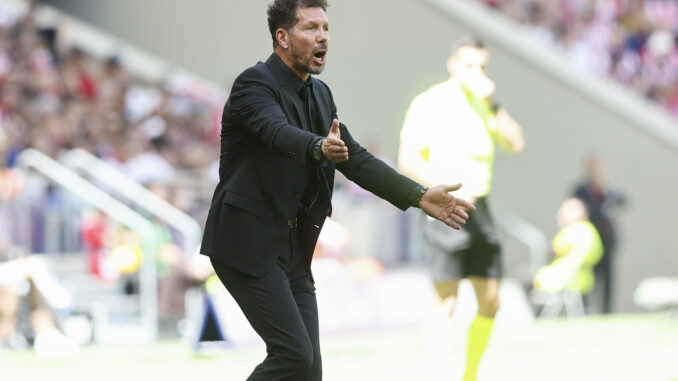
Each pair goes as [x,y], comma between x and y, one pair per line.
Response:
[302,62]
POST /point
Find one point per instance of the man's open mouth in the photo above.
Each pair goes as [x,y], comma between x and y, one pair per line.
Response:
[320,55]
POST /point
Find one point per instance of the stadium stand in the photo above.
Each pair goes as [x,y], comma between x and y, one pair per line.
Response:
[66,88]
[633,42]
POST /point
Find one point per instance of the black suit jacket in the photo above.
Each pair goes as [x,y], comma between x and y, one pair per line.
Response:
[265,167]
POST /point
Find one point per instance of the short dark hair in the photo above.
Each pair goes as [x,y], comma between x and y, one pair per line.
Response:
[467,41]
[283,14]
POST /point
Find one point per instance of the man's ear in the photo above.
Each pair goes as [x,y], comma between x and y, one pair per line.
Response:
[283,38]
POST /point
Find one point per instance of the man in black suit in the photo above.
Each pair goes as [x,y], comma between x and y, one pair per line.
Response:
[280,144]
[601,200]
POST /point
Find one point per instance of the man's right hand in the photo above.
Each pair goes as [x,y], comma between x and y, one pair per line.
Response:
[333,147]
[438,203]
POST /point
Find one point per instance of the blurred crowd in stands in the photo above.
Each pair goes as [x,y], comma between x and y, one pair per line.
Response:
[633,41]
[55,97]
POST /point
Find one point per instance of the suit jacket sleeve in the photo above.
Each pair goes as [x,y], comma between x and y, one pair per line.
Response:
[256,107]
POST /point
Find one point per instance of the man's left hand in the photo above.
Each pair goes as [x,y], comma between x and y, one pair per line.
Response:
[439,204]
[332,146]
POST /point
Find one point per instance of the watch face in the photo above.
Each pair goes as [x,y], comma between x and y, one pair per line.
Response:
[317,151]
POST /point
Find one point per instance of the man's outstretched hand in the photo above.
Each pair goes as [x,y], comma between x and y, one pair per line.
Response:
[332,146]
[441,205]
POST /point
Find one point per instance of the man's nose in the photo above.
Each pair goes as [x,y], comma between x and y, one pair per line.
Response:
[323,36]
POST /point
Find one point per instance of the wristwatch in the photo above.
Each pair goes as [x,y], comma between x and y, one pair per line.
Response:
[417,194]
[317,150]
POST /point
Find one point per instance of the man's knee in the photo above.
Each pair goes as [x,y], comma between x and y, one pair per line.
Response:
[300,358]
[305,359]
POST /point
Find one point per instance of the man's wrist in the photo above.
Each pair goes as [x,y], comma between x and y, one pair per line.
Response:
[416,194]
[315,151]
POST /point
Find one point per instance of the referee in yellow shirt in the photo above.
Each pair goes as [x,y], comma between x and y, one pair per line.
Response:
[459,110]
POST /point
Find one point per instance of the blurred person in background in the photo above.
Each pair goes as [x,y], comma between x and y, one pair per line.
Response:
[96,236]
[601,200]
[27,279]
[577,248]
[281,142]
[77,79]
[176,274]
[462,109]
[177,271]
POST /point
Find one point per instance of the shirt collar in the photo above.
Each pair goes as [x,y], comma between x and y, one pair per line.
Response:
[287,77]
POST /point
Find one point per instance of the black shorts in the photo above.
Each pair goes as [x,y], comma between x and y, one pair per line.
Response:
[472,251]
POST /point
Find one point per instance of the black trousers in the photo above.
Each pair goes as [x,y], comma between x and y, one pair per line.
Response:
[281,307]
[604,271]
